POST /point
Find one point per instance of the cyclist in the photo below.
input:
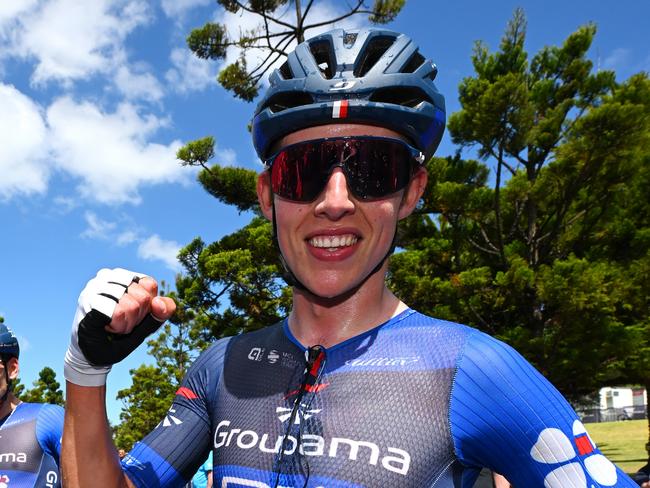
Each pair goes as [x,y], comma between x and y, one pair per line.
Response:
[353,388]
[30,433]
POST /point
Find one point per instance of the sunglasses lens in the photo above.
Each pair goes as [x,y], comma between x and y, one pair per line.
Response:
[299,172]
[374,167]
[379,169]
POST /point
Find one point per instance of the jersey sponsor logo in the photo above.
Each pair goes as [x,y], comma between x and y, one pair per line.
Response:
[397,361]
[303,413]
[273,356]
[129,460]
[286,359]
[553,447]
[256,354]
[4,481]
[13,457]
[391,458]
[170,419]
[51,477]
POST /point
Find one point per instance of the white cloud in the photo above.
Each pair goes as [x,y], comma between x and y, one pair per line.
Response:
[617,59]
[121,233]
[97,228]
[65,204]
[154,248]
[9,11]
[72,39]
[138,86]
[127,237]
[226,157]
[24,150]
[175,8]
[110,152]
[189,72]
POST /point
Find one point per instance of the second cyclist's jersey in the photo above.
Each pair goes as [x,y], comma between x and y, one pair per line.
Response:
[30,444]
[414,402]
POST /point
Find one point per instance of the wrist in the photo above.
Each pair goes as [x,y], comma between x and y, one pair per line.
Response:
[79,372]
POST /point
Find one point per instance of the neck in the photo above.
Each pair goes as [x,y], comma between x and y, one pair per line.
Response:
[330,321]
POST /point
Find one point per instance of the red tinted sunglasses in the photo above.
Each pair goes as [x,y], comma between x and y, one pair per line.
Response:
[374,167]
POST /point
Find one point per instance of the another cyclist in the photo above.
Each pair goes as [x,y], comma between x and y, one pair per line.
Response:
[353,388]
[30,433]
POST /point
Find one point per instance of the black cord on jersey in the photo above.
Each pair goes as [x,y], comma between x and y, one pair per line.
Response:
[309,379]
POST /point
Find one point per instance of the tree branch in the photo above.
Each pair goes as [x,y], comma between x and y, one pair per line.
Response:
[277,52]
[272,19]
[354,11]
[497,205]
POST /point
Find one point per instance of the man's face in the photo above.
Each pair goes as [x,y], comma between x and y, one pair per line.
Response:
[334,242]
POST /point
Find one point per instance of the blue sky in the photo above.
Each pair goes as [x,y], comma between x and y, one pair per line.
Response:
[96,97]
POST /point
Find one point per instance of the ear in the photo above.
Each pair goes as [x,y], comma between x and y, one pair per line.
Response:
[264,194]
[413,192]
[12,368]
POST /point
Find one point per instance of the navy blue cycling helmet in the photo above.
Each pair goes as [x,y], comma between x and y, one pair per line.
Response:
[8,342]
[369,76]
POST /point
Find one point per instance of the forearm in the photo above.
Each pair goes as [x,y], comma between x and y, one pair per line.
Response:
[88,453]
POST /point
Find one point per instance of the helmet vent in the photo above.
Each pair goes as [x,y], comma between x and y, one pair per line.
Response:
[405,96]
[414,62]
[285,71]
[373,51]
[286,100]
[322,52]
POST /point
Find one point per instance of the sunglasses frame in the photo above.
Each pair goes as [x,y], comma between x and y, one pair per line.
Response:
[416,160]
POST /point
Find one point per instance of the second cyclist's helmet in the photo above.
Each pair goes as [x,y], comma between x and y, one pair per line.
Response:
[8,342]
[370,76]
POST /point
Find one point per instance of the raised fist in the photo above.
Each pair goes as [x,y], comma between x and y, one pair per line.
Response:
[116,312]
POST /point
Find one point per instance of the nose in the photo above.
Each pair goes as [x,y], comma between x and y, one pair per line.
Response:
[335,200]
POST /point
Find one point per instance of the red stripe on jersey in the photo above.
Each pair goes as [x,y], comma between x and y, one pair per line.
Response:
[187,393]
[309,388]
[584,445]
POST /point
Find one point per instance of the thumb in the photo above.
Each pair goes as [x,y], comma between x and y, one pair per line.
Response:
[162,308]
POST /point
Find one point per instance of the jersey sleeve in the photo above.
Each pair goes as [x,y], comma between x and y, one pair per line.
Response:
[506,416]
[49,429]
[171,453]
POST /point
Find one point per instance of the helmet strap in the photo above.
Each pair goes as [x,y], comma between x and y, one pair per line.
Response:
[8,381]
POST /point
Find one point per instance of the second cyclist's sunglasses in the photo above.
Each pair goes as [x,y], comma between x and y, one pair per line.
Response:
[374,167]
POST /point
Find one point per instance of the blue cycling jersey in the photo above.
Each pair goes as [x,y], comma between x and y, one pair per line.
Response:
[30,444]
[414,402]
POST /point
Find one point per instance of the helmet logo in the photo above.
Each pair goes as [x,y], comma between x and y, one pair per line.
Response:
[343,85]
[340,109]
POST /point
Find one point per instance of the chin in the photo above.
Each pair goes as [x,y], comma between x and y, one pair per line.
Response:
[331,287]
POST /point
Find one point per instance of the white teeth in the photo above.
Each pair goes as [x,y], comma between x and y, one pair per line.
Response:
[333,242]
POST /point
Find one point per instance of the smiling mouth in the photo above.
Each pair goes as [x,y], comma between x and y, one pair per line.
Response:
[333,242]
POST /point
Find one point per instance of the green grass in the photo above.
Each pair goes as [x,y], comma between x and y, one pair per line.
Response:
[622,442]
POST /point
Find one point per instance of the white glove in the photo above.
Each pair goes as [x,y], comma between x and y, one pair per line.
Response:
[92,349]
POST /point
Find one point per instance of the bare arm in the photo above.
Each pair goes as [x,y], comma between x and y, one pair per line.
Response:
[209,485]
[500,481]
[88,453]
